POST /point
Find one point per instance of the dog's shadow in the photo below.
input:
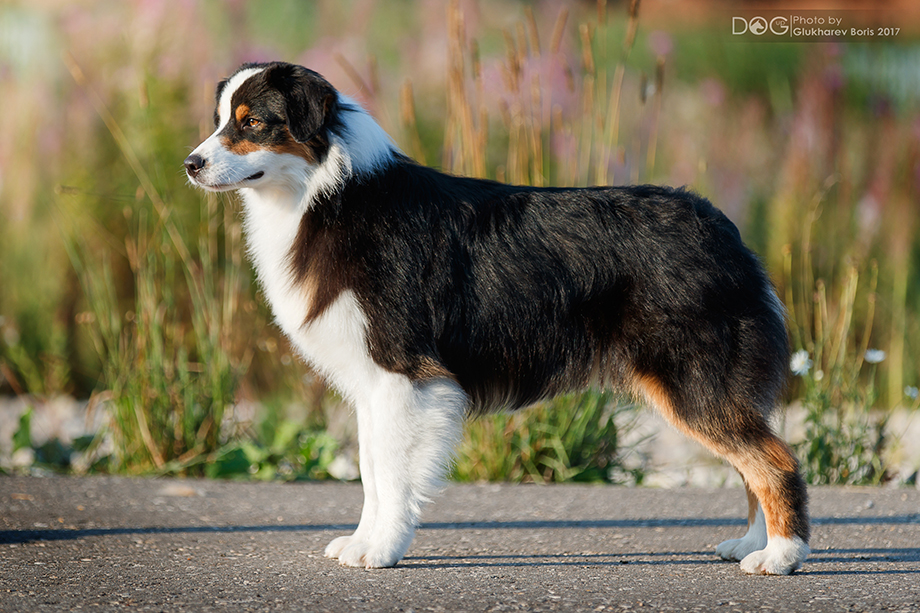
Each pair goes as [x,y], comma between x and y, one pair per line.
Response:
[840,561]
[833,561]
[560,559]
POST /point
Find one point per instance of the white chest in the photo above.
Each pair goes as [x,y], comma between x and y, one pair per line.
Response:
[334,343]
[271,228]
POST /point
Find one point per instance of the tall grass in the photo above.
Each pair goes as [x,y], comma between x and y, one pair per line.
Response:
[568,94]
[169,364]
[557,124]
[574,438]
[170,376]
[836,369]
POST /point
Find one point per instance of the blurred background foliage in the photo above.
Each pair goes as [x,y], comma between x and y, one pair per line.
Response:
[120,282]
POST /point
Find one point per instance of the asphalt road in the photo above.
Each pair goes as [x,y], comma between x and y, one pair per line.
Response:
[116,544]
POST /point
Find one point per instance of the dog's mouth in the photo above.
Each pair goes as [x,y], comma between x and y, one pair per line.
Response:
[222,187]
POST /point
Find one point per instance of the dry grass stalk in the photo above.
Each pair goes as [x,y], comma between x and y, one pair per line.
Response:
[409,121]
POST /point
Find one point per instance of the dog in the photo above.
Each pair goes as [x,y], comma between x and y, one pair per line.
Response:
[424,297]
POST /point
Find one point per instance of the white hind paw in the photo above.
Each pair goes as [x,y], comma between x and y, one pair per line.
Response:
[738,549]
[754,540]
[781,556]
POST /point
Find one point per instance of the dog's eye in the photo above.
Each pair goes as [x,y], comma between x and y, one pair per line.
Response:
[251,122]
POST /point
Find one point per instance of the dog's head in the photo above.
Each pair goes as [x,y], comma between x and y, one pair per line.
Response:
[273,123]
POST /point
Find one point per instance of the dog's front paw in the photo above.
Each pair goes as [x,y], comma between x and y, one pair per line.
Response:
[361,554]
[375,551]
[781,556]
[335,548]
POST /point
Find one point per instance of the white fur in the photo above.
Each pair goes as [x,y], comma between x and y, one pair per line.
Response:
[754,540]
[225,171]
[780,557]
[368,145]
[762,556]
[275,204]
[406,431]
[363,147]
[414,429]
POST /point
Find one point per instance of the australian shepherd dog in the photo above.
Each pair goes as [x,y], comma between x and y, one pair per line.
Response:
[424,297]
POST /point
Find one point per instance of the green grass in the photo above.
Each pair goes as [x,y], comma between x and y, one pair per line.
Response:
[836,371]
[571,438]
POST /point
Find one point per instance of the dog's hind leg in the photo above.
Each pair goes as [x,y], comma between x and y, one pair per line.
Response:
[768,467]
[414,428]
[771,472]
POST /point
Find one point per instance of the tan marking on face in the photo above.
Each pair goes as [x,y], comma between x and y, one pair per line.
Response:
[241,112]
[240,147]
[291,146]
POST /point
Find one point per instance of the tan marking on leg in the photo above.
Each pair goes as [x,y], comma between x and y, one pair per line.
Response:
[653,391]
[762,461]
[752,504]
[763,467]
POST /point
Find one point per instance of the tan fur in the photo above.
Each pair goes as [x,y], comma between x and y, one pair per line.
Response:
[762,461]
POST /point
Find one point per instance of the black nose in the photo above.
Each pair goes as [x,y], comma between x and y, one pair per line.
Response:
[193,164]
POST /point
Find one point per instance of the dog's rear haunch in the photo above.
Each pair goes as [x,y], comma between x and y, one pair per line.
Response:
[423,297]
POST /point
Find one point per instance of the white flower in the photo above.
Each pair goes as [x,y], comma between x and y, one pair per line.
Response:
[819,375]
[874,356]
[911,392]
[800,363]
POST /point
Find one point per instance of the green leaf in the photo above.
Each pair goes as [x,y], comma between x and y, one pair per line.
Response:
[22,438]
[230,462]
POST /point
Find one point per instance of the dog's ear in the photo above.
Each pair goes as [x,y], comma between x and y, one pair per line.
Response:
[309,99]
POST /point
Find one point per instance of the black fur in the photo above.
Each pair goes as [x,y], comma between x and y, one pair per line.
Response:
[524,293]
[310,102]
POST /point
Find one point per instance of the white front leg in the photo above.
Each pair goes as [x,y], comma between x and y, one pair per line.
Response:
[414,428]
[369,510]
